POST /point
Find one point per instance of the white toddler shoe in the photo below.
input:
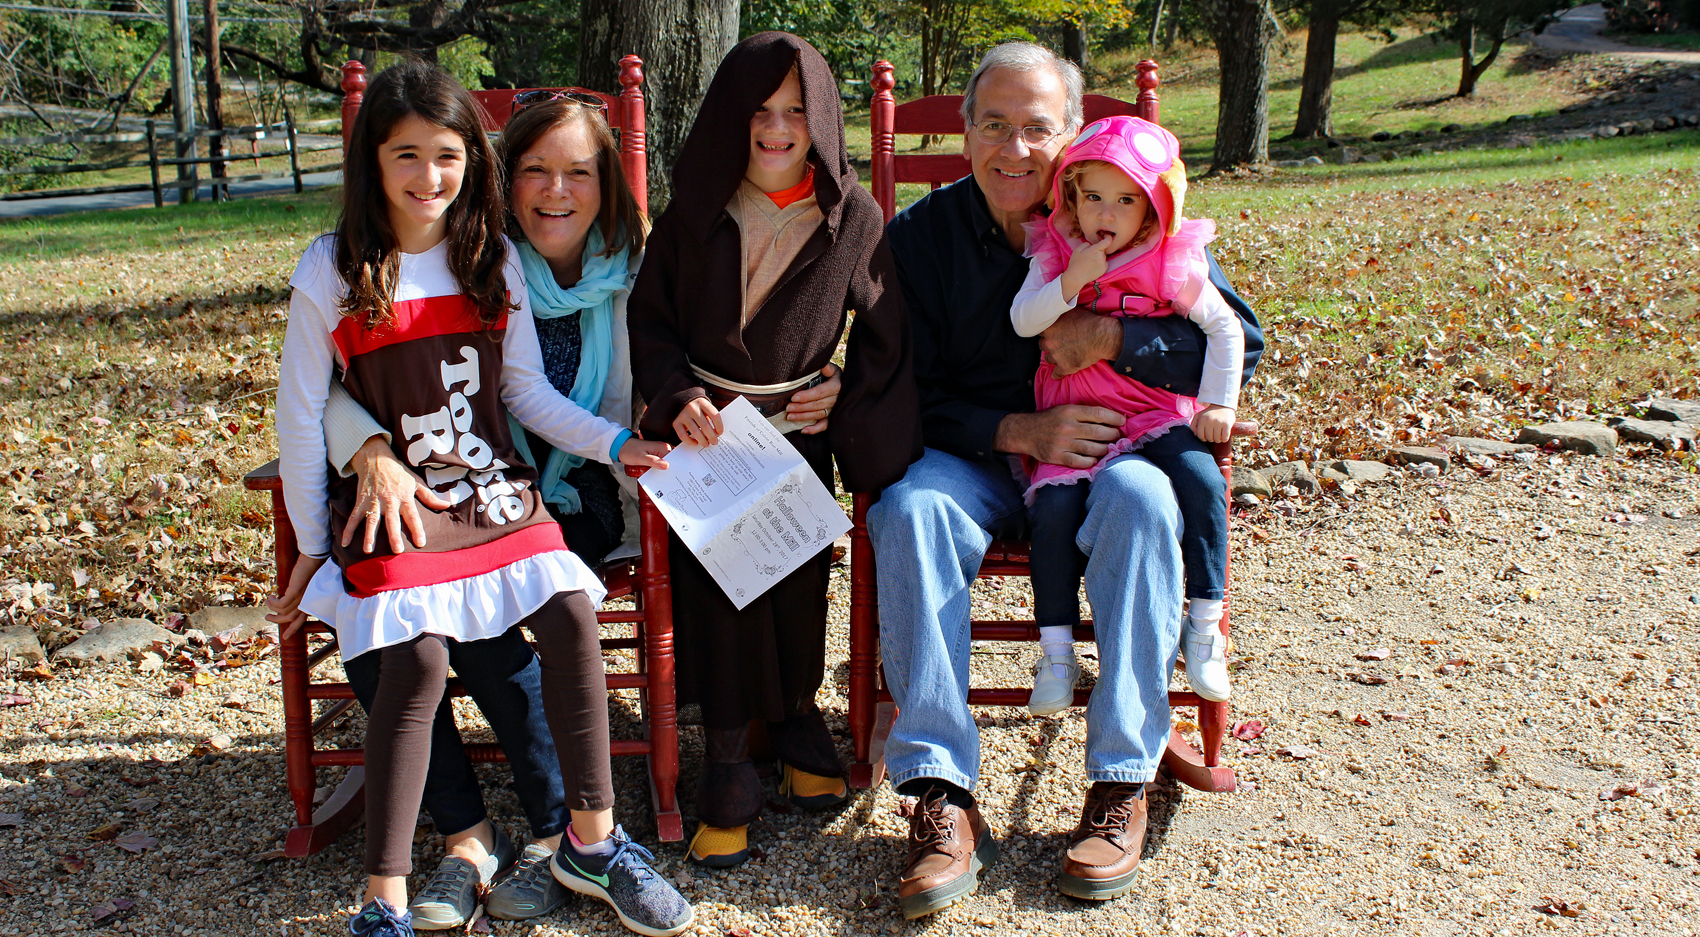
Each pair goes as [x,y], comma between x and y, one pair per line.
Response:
[1207,663]
[1051,693]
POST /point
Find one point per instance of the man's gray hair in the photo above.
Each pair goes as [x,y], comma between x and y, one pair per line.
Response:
[1027,57]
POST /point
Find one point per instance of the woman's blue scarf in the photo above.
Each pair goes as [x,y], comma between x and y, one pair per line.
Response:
[592,298]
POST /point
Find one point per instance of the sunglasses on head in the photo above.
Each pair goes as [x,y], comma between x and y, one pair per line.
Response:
[526,99]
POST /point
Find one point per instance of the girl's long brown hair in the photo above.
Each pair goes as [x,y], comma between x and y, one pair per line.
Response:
[623,223]
[367,253]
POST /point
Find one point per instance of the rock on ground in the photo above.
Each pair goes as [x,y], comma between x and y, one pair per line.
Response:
[1416,455]
[1357,471]
[1658,432]
[1582,436]
[1672,410]
[1249,481]
[116,640]
[1296,474]
[1492,448]
[19,643]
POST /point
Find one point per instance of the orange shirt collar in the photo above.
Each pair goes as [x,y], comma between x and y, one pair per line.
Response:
[801,190]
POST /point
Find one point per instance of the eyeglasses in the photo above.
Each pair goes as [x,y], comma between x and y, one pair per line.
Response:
[997,133]
[526,99]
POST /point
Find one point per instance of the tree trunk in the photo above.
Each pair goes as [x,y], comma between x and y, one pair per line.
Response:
[1172,34]
[215,99]
[1075,43]
[681,43]
[1241,29]
[1471,70]
[1316,97]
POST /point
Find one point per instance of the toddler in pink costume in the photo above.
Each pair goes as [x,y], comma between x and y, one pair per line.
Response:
[1116,244]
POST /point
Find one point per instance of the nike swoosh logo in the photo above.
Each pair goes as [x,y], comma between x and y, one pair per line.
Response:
[598,879]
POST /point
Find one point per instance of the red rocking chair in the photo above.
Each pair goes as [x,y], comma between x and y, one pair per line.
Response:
[872,710]
[644,578]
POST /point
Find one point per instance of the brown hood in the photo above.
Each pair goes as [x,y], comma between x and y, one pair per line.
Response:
[717,152]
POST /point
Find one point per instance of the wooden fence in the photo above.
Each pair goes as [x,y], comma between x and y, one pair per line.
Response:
[155,139]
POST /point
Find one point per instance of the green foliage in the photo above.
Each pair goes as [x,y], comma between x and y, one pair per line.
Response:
[75,60]
[536,48]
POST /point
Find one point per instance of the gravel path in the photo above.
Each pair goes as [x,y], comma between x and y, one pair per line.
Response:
[1531,646]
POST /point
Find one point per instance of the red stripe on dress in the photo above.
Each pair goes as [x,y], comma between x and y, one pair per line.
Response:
[389,573]
[414,319]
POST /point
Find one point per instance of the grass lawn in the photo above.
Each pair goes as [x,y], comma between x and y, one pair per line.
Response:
[1688,40]
[1459,292]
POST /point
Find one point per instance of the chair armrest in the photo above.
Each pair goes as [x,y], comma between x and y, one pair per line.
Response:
[264,478]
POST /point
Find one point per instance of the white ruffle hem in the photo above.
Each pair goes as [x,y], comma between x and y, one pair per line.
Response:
[469,609]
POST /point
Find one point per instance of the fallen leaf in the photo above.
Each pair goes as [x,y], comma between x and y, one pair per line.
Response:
[15,699]
[1395,717]
[10,888]
[39,671]
[235,701]
[202,678]
[142,804]
[136,841]
[1649,788]
[138,782]
[11,819]
[739,931]
[1368,679]
[217,743]
[106,832]
[72,863]
[178,688]
[1297,752]
[121,907]
[1360,720]
[1248,730]
[1558,908]
[1380,653]
[76,790]
[268,856]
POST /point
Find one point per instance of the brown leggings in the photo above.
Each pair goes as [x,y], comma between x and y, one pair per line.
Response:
[411,681]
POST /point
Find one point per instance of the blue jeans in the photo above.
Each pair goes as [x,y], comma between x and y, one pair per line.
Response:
[931,530]
[503,676]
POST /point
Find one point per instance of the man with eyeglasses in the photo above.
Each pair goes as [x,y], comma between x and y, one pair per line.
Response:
[959,254]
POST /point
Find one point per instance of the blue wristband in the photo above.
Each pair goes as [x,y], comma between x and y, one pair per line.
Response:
[619,441]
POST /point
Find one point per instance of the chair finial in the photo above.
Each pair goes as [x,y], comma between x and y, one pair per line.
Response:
[631,71]
[884,77]
[1146,102]
[353,95]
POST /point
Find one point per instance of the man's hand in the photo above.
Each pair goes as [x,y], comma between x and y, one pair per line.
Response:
[1073,435]
[387,496]
[1079,339]
[286,608]
[1214,423]
[811,405]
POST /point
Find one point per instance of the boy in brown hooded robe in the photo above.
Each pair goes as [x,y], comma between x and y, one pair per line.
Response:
[751,272]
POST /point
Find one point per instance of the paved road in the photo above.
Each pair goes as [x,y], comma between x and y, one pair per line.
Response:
[57,206]
[1578,30]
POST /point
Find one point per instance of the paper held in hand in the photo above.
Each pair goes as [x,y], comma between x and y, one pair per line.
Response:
[748,506]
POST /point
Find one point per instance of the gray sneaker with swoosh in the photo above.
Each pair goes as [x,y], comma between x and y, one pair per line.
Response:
[645,902]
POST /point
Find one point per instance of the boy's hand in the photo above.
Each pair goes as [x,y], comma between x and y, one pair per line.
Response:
[699,422]
[286,608]
[1090,261]
[644,454]
[1215,423]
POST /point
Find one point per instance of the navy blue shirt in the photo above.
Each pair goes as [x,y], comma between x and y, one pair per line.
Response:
[960,275]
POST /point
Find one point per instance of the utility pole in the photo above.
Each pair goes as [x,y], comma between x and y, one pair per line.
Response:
[215,102]
[182,92]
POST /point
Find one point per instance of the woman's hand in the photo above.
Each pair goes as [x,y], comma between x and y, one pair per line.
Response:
[286,608]
[812,405]
[643,453]
[699,422]
[1214,423]
[388,490]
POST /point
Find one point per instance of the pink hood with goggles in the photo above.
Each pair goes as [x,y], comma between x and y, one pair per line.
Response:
[1141,281]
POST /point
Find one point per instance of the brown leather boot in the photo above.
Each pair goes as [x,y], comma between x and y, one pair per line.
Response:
[948,847]
[1103,851]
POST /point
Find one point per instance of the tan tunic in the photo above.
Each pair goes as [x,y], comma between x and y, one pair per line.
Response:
[772,237]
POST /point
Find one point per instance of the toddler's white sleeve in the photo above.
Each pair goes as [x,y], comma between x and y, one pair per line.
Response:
[1038,303]
[1224,348]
